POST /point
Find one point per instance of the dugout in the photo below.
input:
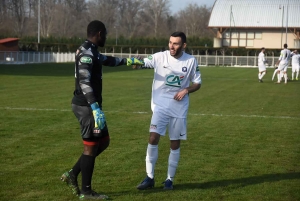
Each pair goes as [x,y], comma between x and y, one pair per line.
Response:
[9,44]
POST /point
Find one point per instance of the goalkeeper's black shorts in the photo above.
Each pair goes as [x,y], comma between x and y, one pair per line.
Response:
[86,120]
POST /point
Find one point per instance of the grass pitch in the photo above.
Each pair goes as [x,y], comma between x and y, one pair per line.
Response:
[243,136]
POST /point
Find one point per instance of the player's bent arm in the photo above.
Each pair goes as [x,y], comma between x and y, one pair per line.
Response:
[193,87]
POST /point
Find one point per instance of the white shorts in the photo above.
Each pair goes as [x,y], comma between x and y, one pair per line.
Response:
[295,67]
[283,67]
[176,126]
[261,68]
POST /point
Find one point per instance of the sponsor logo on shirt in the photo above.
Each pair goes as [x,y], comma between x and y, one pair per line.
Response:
[184,69]
[87,60]
[174,80]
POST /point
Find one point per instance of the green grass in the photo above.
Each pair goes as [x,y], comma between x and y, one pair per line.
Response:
[243,136]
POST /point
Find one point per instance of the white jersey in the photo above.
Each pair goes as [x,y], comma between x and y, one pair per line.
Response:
[295,59]
[172,75]
[261,59]
[285,56]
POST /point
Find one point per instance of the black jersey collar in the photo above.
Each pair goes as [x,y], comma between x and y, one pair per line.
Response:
[91,44]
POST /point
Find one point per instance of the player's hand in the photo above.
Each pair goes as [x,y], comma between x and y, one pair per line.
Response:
[179,95]
[134,61]
[99,116]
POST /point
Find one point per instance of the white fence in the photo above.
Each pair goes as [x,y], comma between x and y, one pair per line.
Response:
[203,60]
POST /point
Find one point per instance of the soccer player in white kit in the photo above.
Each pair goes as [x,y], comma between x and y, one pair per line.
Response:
[176,75]
[283,62]
[261,65]
[295,64]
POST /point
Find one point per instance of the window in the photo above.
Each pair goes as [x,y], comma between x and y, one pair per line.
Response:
[250,43]
[258,35]
[250,35]
[243,34]
[242,42]
[226,42]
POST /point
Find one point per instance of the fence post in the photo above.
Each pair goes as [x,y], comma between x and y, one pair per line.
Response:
[216,57]
[247,57]
[206,57]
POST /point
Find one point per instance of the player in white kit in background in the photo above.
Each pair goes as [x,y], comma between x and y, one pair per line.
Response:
[261,65]
[283,62]
[295,64]
[176,75]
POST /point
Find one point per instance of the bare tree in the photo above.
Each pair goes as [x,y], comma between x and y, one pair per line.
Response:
[156,11]
[105,11]
[21,12]
[129,18]
[194,19]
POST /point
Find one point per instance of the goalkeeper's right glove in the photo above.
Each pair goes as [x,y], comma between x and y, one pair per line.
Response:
[134,61]
[98,116]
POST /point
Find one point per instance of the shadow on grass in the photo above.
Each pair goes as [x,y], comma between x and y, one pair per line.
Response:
[237,183]
[51,69]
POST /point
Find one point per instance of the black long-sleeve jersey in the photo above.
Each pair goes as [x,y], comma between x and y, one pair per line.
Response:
[88,73]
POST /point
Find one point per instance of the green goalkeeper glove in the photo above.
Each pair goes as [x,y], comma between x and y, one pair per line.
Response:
[134,61]
[98,116]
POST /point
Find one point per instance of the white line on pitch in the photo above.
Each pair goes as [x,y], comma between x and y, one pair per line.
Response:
[141,112]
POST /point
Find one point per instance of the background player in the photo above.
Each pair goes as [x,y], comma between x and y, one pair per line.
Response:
[261,65]
[283,62]
[295,64]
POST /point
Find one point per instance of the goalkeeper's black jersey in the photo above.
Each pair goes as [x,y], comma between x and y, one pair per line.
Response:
[88,73]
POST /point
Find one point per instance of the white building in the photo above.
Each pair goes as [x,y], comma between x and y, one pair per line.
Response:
[256,23]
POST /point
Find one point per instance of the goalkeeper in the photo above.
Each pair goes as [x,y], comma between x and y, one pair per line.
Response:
[87,107]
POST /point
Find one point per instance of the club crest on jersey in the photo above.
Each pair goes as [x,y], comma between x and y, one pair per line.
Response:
[174,80]
[184,69]
[150,57]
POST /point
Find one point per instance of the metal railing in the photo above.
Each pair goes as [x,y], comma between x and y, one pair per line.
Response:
[203,60]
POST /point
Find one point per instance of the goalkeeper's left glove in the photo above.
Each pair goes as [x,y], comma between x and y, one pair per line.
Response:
[134,61]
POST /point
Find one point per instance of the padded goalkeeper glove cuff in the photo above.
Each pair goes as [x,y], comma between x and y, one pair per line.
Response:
[134,61]
[99,116]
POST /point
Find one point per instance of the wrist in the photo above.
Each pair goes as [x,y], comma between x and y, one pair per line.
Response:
[186,91]
[94,106]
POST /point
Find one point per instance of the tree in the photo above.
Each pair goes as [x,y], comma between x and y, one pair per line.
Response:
[194,20]
[156,11]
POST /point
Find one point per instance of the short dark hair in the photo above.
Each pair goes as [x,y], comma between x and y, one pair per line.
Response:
[262,48]
[285,45]
[94,27]
[179,34]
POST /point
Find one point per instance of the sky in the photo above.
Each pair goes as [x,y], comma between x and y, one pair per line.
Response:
[177,5]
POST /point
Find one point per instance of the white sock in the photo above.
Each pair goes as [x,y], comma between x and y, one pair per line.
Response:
[278,77]
[292,75]
[173,163]
[262,75]
[151,158]
[297,73]
[285,77]
[275,71]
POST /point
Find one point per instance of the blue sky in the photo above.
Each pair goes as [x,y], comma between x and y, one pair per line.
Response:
[177,5]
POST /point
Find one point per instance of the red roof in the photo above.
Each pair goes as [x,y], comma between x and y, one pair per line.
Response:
[6,40]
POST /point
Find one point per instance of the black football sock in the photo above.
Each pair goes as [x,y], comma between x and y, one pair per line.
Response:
[76,168]
[87,167]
